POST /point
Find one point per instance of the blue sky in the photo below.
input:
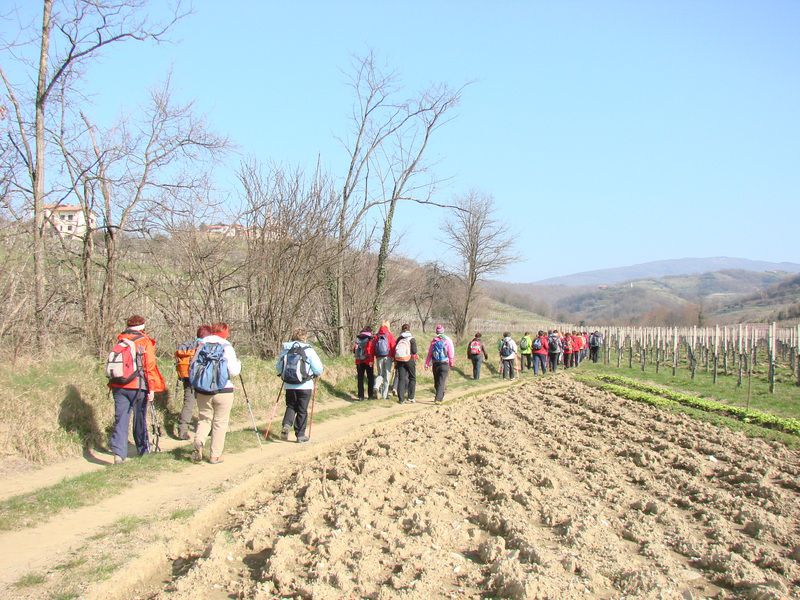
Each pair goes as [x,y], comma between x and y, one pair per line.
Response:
[634,131]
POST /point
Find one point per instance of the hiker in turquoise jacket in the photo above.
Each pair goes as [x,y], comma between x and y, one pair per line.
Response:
[298,395]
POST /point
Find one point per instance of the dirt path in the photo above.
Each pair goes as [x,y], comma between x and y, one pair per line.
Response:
[549,490]
[195,489]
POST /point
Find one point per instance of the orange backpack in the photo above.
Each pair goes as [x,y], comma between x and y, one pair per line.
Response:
[183,358]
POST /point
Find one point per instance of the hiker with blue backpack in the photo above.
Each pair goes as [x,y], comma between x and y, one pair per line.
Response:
[298,365]
[441,356]
[383,347]
[508,356]
[211,374]
[364,353]
[134,379]
[555,347]
[184,354]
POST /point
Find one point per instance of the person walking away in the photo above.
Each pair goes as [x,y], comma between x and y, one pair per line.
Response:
[540,349]
[405,365]
[595,342]
[298,364]
[441,355]
[183,358]
[134,379]
[568,349]
[555,347]
[508,355]
[211,374]
[383,346]
[476,352]
[526,352]
[363,350]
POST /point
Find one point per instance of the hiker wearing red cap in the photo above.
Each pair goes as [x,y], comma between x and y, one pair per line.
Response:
[134,379]
[441,354]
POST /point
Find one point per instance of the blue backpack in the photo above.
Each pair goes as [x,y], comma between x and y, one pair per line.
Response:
[208,373]
[295,365]
[381,345]
[439,352]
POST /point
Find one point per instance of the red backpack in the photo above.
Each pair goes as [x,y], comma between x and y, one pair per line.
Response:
[475,347]
[124,363]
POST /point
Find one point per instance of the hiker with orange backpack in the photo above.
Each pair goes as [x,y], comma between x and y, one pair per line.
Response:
[405,365]
[183,358]
[476,352]
[442,356]
[134,379]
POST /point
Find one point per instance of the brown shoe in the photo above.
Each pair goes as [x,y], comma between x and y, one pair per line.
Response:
[215,460]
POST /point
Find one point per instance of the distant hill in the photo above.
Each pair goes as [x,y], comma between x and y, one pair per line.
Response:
[724,296]
[665,268]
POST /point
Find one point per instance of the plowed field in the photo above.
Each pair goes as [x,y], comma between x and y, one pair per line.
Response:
[551,490]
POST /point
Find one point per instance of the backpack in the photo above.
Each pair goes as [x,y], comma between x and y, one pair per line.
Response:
[475,347]
[439,350]
[124,362]
[360,348]
[208,372]
[523,343]
[537,344]
[402,351]
[568,345]
[505,348]
[381,345]
[295,365]
[555,344]
[594,340]
[183,358]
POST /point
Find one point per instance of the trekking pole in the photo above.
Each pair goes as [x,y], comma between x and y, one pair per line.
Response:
[155,428]
[250,410]
[274,412]
[313,398]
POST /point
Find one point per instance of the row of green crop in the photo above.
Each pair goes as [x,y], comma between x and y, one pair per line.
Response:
[763,419]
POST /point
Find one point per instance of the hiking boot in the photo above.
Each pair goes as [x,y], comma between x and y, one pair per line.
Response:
[302,439]
[184,436]
[215,460]
[197,454]
[285,434]
[118,460]
[394,392]
[410,401]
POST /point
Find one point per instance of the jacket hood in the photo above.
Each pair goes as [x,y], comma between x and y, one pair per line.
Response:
[406,334]
[129,334]
[383,330]
[365,334]
[288,345]
[214,339]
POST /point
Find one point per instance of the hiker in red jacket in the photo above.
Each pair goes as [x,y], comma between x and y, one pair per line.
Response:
[541,348]
[383,348]
[364,351]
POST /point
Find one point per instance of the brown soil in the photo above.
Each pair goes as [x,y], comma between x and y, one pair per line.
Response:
[546,490]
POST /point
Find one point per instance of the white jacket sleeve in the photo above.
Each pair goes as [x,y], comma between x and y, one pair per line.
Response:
[234,365]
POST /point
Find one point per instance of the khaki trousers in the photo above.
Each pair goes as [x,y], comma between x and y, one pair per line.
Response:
[214,414]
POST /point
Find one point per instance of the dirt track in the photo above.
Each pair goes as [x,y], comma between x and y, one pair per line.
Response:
[553,490]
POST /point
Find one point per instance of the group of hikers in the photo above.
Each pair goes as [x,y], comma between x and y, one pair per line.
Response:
[540,353]
[207,367]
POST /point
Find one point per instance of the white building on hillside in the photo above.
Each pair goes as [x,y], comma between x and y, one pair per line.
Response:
[68,220]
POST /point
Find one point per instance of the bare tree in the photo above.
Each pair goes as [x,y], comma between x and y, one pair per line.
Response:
[483,247]
[389,139]
[71,34]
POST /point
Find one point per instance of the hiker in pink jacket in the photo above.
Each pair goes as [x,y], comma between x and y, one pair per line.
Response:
[442,355]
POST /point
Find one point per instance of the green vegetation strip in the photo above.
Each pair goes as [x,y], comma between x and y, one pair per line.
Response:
[630,387]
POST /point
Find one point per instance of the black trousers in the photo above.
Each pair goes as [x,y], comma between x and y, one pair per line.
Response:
[297,410]
[363,369]
[440,372]
[406,379]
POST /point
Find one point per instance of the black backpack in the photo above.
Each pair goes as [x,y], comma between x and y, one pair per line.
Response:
[295,365]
